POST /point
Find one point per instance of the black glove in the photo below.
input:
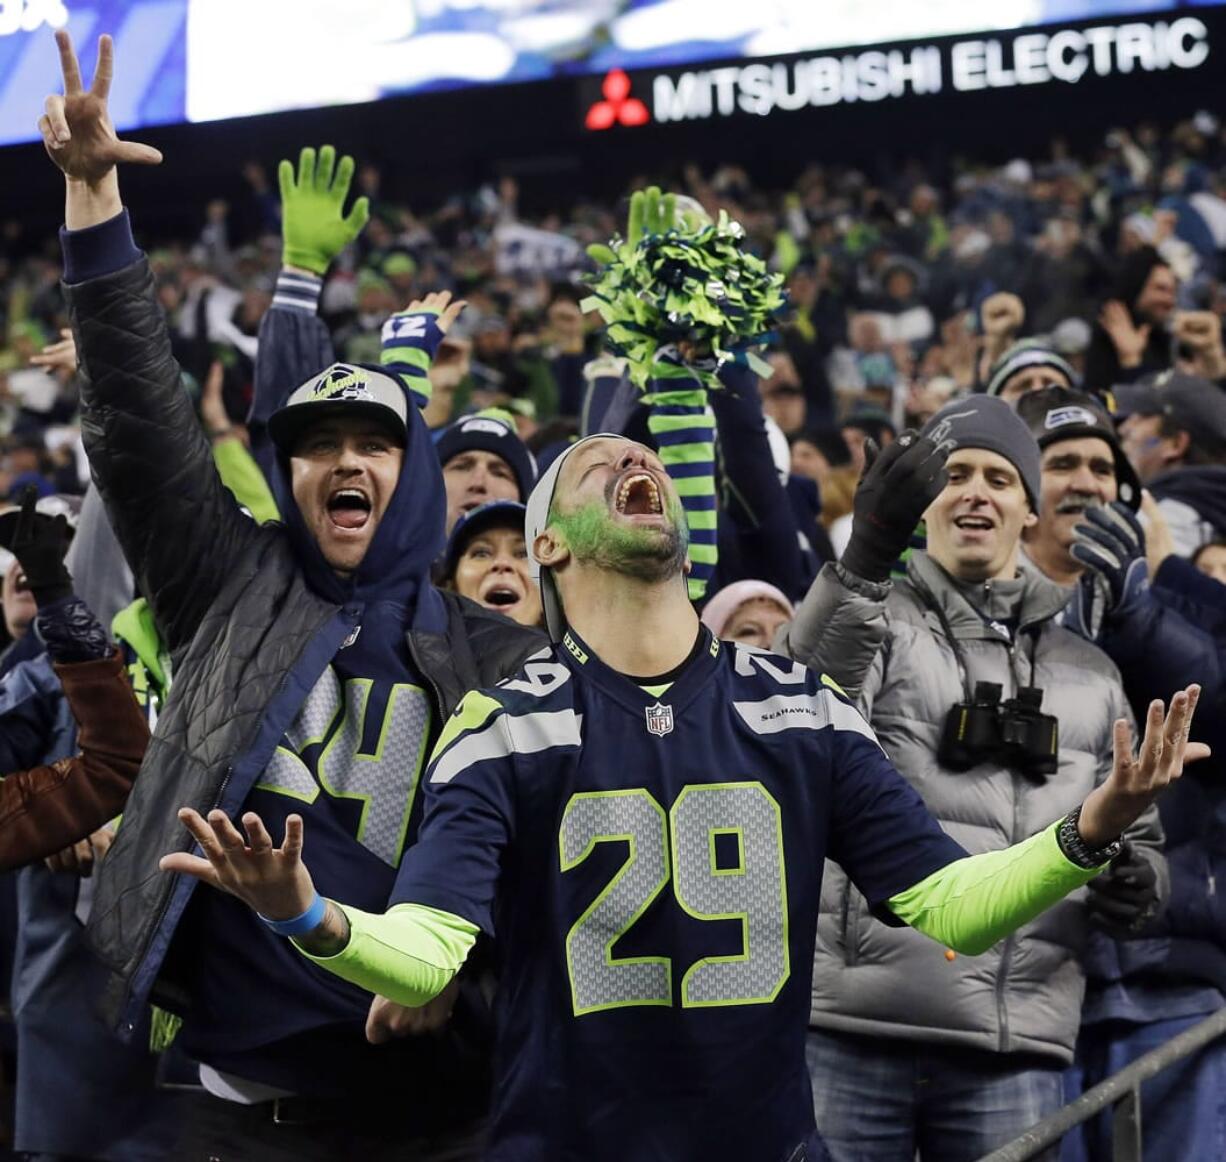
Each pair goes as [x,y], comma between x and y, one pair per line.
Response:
[895,491]
[39,544]
[1125,897]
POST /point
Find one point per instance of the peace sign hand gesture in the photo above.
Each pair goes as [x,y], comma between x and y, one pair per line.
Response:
[76,128]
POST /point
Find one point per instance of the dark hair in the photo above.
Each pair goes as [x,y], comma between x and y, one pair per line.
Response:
[1215,543]
[1201,450]
[828,442]
[564,292]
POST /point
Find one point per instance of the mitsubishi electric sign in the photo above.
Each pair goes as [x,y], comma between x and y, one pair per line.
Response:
[1065,56]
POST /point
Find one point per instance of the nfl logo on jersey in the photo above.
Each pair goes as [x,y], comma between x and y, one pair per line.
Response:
[659,719]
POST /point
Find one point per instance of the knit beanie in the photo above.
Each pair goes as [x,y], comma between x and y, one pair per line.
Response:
[984,421]
[1021,357]
[491,430]
[721,608]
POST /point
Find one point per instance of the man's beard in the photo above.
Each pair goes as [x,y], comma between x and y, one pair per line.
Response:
[595,538]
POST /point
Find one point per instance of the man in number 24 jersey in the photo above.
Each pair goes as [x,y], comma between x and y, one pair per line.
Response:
[639,818]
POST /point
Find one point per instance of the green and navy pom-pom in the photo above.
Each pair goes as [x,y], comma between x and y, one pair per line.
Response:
[698,287]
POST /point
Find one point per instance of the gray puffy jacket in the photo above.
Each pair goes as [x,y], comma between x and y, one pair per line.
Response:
[1023,995]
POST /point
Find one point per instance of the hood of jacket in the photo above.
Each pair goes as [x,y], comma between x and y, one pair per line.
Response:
[1202,487]
[410,536]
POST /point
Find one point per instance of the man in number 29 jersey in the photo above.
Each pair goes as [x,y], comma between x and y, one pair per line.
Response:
[647,847]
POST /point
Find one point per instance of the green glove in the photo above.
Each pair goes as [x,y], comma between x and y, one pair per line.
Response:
[651,212]
[313,229]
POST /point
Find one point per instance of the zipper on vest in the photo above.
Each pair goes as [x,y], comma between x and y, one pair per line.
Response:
[850,929]
[1006,953]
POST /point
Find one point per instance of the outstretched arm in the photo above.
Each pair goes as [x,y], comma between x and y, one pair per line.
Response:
[294,343]
[444,890]
[149,457]
[408,954]
[972,903]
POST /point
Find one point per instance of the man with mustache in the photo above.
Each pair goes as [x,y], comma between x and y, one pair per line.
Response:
[640,815]
[1082,466]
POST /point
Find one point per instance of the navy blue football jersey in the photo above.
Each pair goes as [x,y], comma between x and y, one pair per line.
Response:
[650,864]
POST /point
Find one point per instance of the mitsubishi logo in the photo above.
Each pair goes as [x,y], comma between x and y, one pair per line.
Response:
[618,107]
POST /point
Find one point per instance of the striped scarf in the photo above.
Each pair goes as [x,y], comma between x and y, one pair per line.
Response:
[684,431]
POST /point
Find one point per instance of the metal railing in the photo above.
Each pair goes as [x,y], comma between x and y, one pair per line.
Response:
[1122,1091]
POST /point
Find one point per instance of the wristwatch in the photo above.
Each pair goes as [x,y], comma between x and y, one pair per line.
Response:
[1077,851]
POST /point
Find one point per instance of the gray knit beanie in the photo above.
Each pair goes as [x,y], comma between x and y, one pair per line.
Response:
[985,421]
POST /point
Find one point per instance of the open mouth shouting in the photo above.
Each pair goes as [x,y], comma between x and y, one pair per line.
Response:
[638,498]
[502,592]
[349,508]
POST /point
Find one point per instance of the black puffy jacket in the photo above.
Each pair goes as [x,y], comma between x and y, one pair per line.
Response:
[234,607]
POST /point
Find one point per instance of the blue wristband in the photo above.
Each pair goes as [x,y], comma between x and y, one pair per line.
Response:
[300,925]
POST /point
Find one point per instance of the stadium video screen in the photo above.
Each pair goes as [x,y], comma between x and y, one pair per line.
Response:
[201,60]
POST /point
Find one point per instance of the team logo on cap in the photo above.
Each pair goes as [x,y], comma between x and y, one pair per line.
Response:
[489,427]
[659,719]
[343,383]
[1062,417]
[942,433]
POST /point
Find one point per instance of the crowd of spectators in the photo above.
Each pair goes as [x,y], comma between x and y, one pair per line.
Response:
[1086,292]
[907,287]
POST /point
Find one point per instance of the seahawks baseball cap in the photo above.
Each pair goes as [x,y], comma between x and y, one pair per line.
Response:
[536,519]
[491,430]
[496,514]
[1056,413]
[344,389]
[1195,405]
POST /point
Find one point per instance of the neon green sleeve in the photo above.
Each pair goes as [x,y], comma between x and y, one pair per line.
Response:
[242,476]
[972,903]
[408,954]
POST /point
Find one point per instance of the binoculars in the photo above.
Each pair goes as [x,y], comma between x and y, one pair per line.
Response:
[1014,733]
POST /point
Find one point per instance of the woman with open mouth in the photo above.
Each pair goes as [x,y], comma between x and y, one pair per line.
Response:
[487,561]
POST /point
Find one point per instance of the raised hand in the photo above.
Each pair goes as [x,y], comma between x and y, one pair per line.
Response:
[76,128]
[40,543]
[1136,780]
[411,339]
[58,356]
[894,492]
[439,305]
[212,401]
[314,225]
[272,880]
[651,212]
[1129,340]
[1002,315]
[1111,544]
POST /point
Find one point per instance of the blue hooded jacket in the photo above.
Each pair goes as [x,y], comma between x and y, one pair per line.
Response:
[350,764]
[1177,968]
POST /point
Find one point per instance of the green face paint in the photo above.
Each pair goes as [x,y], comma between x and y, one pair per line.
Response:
[596,538]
